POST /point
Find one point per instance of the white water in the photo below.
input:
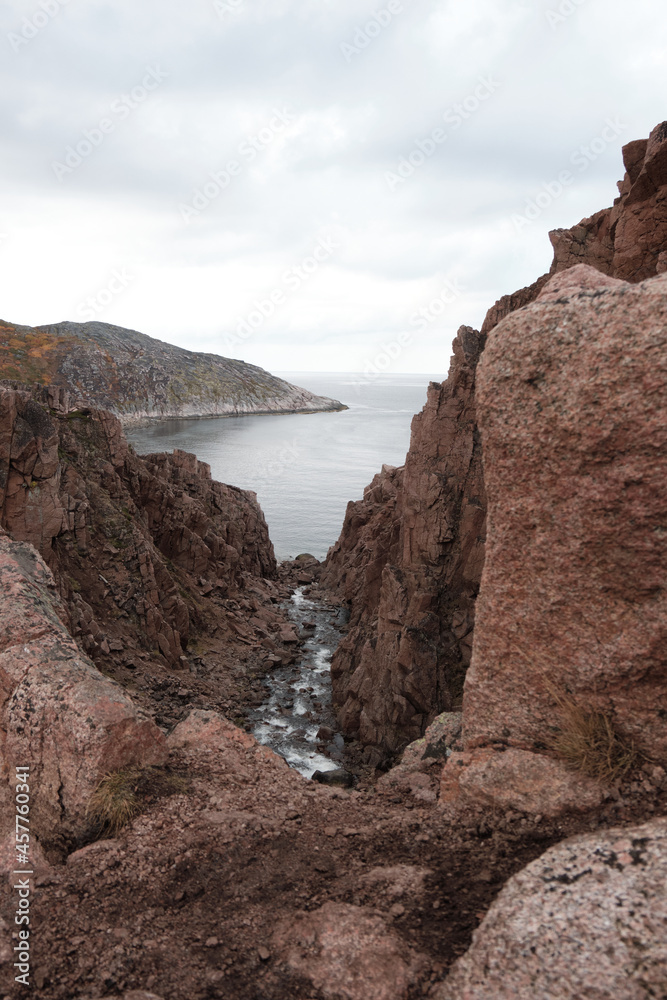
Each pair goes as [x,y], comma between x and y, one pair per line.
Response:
[289,719]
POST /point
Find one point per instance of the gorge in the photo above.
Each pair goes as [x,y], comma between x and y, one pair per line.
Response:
[505,583]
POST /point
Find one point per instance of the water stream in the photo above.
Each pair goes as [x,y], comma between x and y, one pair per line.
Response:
[299,701]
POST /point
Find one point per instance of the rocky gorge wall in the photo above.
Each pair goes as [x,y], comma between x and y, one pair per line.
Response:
[572,403]
[120,532]
[410,563]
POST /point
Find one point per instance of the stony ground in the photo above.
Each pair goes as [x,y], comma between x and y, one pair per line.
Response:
[253,883]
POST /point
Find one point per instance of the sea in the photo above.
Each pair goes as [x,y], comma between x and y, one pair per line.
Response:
[304,468]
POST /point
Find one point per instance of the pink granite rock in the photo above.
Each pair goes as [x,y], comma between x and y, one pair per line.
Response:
[572,404]
[516,779]
[586,920]
[348,953]
[58,715]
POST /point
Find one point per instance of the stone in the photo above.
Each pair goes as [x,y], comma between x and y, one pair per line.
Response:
[572,407]
[209,732]
[587,919]
[409,559]
[517,779]
[57,712]
[437,743]
[338,776]
[348,953]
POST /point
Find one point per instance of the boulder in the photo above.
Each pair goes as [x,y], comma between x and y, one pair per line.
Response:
[58,714]
[587,919]
[410,556]
[572,406]
[517,779]
[348,953]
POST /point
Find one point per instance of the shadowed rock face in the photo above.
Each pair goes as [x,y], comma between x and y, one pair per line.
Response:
[137,377]
[412,550]
[410,556]
[124,535]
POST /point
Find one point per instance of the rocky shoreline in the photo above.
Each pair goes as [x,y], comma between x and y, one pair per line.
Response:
[499,686]
[139,378]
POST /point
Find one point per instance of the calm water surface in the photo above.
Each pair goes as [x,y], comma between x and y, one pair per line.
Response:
[304,467]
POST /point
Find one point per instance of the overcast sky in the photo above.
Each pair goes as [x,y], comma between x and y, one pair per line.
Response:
[309,185]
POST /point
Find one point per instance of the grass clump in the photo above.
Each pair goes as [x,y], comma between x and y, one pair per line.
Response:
[122,795]
[587,741]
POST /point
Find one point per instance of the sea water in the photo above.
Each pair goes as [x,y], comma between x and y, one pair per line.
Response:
[305,468]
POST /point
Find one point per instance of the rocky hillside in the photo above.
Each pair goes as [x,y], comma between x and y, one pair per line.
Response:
[167,579]
[417,594]
[136,377]
[172,857]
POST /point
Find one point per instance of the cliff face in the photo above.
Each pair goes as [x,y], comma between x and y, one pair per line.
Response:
[168,579]
[411,632]
[57,712]
[409,561]
[625,241]
[137,377]
[116,529]
[572,405]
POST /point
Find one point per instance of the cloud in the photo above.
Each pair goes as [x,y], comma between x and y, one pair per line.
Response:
[363,87]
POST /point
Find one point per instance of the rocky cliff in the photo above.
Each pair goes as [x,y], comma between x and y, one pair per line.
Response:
[572,613]
[137,377]
[411,567]
[168,579]
[59,716]
[408,562]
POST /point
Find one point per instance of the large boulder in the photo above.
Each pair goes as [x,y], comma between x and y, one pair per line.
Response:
[587,919]
[411,552]
[58,715]
[572,406]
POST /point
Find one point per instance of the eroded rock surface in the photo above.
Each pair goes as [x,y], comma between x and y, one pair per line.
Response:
[116,529]
[408,561]
[572,406]
[587,919]
[627,241]
[348,952]
[411,552]
[58,715]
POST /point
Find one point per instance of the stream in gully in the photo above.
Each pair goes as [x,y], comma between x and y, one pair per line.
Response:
[299,701]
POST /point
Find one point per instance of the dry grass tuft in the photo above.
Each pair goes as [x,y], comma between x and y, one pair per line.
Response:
[114,802]
[588,741]
[121,795]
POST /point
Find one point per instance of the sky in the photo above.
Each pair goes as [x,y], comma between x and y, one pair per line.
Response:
[308,185]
